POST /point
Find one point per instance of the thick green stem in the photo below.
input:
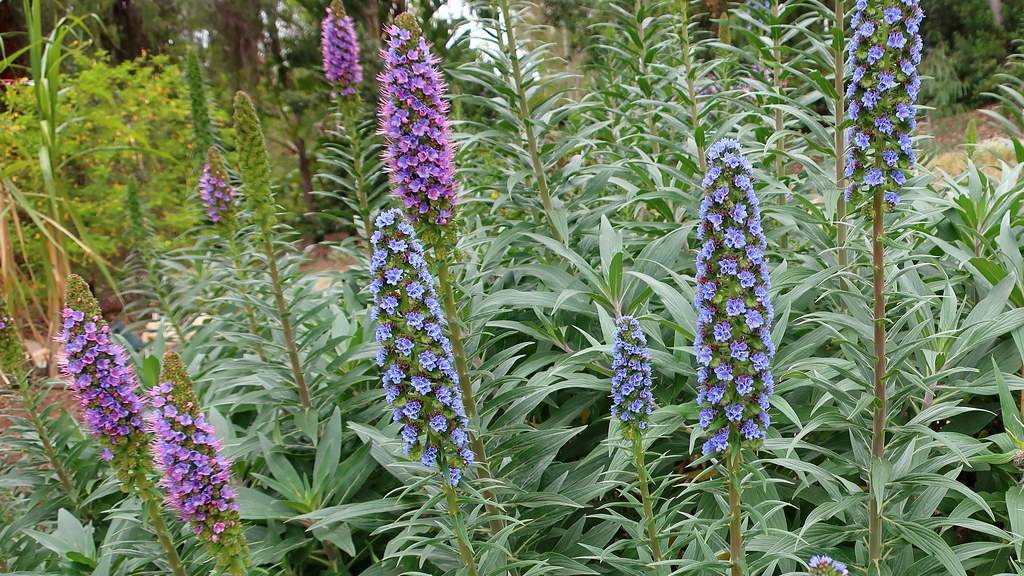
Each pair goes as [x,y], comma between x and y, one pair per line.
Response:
[250,312]
[645,498]
[839,55]
[875,551]
[151,501]
[526,118]
[461,536]
[465,384]
[350,114]
[691,81]
[736,558]
[286,323]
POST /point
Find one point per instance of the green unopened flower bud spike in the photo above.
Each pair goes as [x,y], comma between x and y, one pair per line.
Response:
[202,126]
[254,164]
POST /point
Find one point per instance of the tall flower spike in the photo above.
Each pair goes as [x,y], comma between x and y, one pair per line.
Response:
[254,163]
[884,84]
[108,392]
[733,341]
[12,354]
[414,119]
[825,566]
[632,400]
[340,48]
[418,371]
[202,126]
[195,475]
[215,190]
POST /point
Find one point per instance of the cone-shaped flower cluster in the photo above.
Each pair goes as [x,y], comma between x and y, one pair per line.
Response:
[825,566]
[340,49]
[194,474]
[253,161]
[108,392]
[885,51]
[419,377]
[734,312]
[11,351]
[632,400]
[215,191]
[414,119]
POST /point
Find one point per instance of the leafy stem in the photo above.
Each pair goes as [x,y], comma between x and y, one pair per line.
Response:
[645,498]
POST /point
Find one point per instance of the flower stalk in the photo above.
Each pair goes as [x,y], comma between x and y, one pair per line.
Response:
[459,527]
[109,399]
[255,170]
[885,51]
[526,117]
[195,475]
[734,465]
[632,404]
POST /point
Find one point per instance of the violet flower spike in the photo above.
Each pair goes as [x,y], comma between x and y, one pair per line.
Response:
[826,566]
[97,370]
[733,343]
[340,48]
[195,476]
[216,192]
[418,373]
[632,399]
[414,120]
[885,51]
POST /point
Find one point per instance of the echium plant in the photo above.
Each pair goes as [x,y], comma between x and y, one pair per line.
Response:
[883,87]
[733,342]
[414,120]
[340,48]
[254,165]
[418,371]
[215,190]
[632,405]
[734,311]
[195,476]
[826,566]
[108,393]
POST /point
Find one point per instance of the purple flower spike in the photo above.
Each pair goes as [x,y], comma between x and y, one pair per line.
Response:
[340,48]
[194,474]
[414,120]
[417,368]
[632,400]
[734,313]
[884,54]
[825,566]
[216,192]
[105,384]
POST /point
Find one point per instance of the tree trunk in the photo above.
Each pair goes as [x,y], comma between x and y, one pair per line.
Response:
[131,41]
[997,13]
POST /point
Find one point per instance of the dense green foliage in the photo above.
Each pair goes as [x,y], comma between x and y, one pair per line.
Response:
[580,193]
